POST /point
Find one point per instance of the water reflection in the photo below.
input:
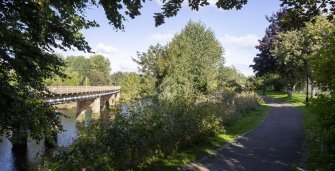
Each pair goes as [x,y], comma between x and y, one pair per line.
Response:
[30,158]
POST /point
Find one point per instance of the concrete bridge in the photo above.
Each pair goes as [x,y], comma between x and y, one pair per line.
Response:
[87,97]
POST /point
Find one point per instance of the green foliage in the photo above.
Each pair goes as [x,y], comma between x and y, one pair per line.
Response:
[29,31]
[323,65]
[324,133]
[155,62]
[228,78]
[294,49]
[301,11]
[187,66]
[143,134]
[134,86]
[80,71]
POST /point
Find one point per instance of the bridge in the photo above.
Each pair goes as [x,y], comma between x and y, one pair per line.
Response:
[87,97]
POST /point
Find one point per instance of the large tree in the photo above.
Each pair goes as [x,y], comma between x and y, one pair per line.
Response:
[187,66]
[29,31]
[295,48]
[264,62]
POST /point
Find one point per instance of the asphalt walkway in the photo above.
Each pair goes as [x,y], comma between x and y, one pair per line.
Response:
[274,146]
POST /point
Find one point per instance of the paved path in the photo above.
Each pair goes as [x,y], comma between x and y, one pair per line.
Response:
[274,145]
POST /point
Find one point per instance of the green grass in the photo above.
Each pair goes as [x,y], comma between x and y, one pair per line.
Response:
[309,118]
[208,144]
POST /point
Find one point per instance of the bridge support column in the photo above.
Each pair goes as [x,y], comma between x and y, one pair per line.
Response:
[117,96]
[114,98]
[96,108]
[19,139]
[111,100]
[92,106]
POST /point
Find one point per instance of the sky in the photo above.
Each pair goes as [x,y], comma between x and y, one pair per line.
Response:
[237,30]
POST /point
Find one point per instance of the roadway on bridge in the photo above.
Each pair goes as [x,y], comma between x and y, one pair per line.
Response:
[274,145]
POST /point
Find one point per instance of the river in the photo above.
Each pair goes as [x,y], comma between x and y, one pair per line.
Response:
[31,159]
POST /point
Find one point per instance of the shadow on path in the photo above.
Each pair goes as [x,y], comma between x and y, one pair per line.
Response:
[274,145]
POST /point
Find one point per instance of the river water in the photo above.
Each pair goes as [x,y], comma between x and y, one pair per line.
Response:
[31,159]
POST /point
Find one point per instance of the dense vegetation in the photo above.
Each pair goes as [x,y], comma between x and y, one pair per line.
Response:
[293,58]
[194,97]
[82,71]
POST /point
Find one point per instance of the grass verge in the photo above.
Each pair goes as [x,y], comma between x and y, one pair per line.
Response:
[208,144]
[298,101]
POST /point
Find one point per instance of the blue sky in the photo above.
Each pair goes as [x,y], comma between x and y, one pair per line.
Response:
[238,31]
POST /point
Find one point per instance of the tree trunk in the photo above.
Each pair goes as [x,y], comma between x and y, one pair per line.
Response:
[19,138]
[312,90]
[289,90]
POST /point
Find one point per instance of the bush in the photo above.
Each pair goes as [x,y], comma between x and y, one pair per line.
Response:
[324,133]
[132,141]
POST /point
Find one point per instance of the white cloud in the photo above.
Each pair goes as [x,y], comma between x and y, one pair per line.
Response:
[161,38]
[120,61]
[246,41]
[240,51]
[102,48]
[212,2]
[159,2]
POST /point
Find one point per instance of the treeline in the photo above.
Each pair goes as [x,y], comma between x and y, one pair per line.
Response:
[92,71]
[194,96]
[291,57]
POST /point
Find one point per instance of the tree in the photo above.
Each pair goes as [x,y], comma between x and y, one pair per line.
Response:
[323,64]
[99,70]
[301,11]
[230,79]
[134,85]
[29,31]
[197,53]
[187,66]
[298,46]
[264,62]
[81,65]
[155,62]
[73,78]
[101,64]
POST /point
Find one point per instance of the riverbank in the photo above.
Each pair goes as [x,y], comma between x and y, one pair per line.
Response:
[209,144]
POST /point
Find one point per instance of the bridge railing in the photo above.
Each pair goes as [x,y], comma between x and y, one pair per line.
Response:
[59,90]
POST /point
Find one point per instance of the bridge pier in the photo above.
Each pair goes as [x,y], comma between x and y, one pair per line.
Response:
[94,106]
[88,106]
[19,139]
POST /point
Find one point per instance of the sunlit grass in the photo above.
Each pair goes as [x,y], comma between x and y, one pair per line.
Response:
[208,144]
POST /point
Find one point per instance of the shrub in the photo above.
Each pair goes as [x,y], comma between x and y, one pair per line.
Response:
[131,141]
[324,133]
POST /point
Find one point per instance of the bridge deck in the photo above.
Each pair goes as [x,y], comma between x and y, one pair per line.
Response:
[63,90]
[65,94]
